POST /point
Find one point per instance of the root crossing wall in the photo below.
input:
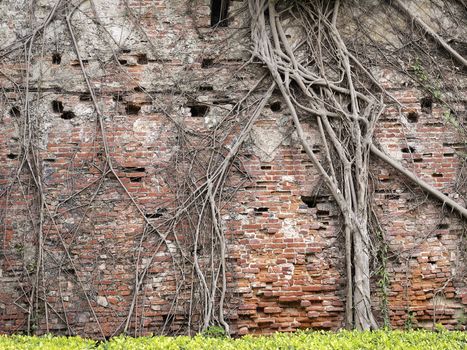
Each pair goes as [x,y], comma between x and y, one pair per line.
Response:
[284,239]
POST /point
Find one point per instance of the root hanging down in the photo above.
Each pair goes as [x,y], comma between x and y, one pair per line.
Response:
[320,81]
[316,80]
[312,87]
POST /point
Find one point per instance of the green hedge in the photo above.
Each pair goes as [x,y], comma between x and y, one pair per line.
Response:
[343,340]
[47,342]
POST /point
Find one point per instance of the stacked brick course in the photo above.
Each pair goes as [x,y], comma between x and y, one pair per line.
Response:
[285,246]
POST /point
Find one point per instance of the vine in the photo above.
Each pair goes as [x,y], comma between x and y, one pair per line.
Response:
[318,71]
[322,80]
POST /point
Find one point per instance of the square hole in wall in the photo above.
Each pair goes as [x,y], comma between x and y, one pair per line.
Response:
[15,112]
[67,115]
[142,58]
[57,106]
[409,149]
[219,13]
[276,106]
[132,109]
[56,58]
[206,88]
[85,97]
[412,117]
[426,103]
[309,201]
[207,63]
[198,111]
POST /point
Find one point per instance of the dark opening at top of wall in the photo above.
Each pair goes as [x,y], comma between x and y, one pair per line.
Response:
[219,13]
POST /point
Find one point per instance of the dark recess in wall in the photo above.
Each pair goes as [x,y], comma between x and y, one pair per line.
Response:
[409,149]
[56,58]
[310,201]
[57,106]
[132,109]
[426,103]
[198,110]
[67,115]
[412,117]
[207,63]
[142,58]
[219,13]
[276,106]
[85,97]
[15,112]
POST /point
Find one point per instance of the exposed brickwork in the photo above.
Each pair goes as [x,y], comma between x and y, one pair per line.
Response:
[285,246]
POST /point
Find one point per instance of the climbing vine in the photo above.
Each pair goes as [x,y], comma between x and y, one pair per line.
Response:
[308,59]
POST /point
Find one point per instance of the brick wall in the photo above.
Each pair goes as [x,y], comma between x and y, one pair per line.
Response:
[285,245]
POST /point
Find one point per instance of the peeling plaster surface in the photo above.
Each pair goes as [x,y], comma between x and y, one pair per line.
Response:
[284,235]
